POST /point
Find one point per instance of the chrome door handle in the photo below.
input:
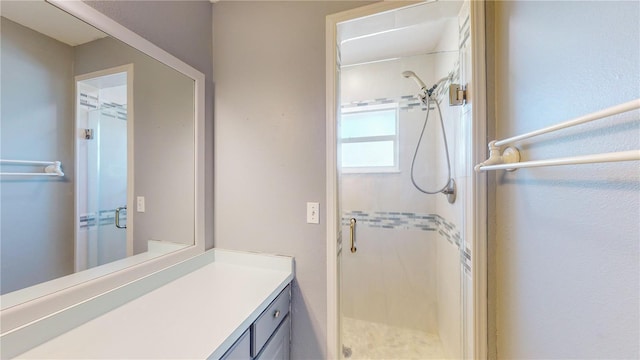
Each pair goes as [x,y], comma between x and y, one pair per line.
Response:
[352,232]
[118,217]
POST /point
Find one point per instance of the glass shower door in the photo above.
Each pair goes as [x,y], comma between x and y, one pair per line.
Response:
[107,185]
[401,289]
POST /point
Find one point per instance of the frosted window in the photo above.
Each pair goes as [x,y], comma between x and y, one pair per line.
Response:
[369,123]
[368,154]
[369,139]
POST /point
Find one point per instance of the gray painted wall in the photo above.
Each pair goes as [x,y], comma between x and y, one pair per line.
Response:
[182,28]
[37,214]
[163,140]
[269,67]
[566,266]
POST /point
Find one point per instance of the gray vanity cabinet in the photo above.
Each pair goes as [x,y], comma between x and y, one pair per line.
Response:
[279,345]
[241,349]
[268,338]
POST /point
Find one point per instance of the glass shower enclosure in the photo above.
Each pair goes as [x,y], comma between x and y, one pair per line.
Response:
[107,186]
[401,265]
[103,126]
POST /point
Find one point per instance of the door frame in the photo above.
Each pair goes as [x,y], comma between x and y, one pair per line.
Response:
[128,68]
[477,197]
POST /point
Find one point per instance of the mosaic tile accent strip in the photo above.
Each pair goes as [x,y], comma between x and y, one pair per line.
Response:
[405,221]
[101,218]
[466,259]
[405,103]
[411,102]
[114,112]
[91,102]
[464,30]
[449,231]
[392,220]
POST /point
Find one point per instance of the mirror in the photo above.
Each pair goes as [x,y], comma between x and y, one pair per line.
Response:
[123,126]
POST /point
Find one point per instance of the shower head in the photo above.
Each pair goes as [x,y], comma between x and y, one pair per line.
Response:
[411,74]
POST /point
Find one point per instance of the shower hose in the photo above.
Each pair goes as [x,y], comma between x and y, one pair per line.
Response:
[427,102]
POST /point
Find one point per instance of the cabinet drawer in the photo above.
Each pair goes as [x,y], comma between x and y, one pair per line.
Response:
[241,349]
[269,320]
[278,346]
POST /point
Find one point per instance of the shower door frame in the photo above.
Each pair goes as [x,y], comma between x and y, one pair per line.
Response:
[476,213]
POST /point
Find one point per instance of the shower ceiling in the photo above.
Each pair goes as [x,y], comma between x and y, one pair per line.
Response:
[411,31]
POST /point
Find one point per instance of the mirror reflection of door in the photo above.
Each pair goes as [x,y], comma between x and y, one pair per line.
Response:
[103,117]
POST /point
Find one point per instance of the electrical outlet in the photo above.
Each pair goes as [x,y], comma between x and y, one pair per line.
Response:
[313,213]
[140,203]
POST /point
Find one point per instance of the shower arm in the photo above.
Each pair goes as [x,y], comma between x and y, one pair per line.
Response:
[428,93]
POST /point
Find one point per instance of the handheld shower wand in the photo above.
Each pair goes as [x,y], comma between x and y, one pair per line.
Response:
[449,189]
[425,92]
[411,74]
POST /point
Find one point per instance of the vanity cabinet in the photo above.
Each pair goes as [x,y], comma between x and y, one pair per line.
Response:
[268,337]
[279,345]
[241,349]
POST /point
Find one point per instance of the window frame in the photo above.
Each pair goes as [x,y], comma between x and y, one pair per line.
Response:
[395,168]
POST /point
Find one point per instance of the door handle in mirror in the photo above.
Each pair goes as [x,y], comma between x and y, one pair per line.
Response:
[118,210]
[352,232]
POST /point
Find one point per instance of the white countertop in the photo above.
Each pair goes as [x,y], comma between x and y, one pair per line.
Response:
[199,315]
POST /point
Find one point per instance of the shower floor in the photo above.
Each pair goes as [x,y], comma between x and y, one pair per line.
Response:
[369,340]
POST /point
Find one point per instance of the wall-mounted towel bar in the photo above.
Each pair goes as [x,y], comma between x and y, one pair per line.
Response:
[51,168]
[586,159]
[509,158]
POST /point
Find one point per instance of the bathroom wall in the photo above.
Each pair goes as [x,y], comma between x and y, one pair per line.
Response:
[182,28]
[41,99]
[269,64]
[567,258]
[163,108]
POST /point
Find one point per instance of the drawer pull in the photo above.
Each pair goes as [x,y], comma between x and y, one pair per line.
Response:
[268,322]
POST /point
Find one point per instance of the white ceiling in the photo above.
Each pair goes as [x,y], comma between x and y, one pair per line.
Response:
[49,20]
[404,32]
[107,81]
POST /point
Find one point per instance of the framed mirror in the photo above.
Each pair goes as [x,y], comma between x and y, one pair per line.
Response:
[102,142]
